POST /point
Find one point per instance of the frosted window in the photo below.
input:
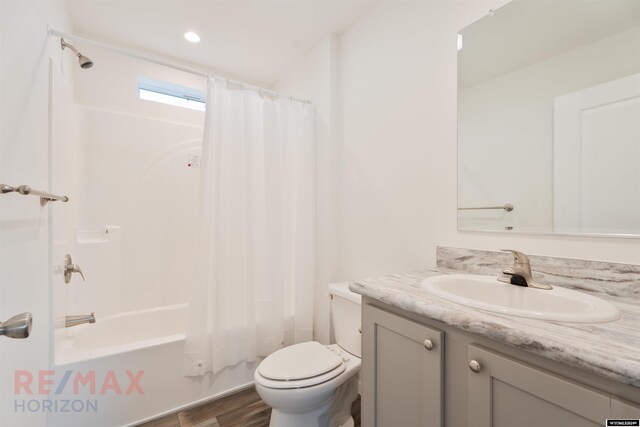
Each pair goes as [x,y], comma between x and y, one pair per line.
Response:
[172,94]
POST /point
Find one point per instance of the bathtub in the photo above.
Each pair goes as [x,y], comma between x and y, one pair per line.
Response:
[122,332]
[151,341]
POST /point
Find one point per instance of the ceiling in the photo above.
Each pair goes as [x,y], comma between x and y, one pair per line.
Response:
[523,32]
[254,40]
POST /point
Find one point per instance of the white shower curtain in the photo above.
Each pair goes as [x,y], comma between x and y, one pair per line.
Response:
[252,283]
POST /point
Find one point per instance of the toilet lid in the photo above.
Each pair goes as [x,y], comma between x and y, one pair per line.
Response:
[299,361]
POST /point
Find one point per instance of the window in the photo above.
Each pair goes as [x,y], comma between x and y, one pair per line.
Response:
[169,93]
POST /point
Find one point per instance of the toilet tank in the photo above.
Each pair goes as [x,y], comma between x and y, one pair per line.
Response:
[346,317]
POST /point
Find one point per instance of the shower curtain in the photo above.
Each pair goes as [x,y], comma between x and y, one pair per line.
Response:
[252,287]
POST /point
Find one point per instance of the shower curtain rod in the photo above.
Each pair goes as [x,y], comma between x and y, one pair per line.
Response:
[136,55]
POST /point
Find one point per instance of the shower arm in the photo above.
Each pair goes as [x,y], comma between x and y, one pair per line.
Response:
[64,45]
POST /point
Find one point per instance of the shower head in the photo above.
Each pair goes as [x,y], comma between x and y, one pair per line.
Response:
[84,61]
[18,326]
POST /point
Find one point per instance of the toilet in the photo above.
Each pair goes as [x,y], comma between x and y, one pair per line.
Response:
[311,384]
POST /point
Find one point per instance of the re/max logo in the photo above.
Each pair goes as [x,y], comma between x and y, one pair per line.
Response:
[43,382]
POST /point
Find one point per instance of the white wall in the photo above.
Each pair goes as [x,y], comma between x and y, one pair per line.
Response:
[315,78]
[398,156]
[24,159]
[506,130]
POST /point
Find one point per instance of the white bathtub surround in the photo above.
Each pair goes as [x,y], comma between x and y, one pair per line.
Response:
[118,158]
[253,281]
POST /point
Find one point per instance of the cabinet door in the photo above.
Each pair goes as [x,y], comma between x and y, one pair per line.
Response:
[401,372]
[506,393]
[621,409]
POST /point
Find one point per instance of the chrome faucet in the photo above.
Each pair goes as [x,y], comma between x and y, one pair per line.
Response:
[520,273]
[70,321]
[70,268]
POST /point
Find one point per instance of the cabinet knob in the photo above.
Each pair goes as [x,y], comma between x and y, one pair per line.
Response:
[475,366]
[428,344]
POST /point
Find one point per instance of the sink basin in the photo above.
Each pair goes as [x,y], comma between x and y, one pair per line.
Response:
[487,293]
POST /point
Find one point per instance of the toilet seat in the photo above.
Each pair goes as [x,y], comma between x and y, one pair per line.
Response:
[306,382]
[300,365]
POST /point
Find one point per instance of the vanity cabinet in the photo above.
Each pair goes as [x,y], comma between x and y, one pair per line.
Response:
[462,379]
[402,372]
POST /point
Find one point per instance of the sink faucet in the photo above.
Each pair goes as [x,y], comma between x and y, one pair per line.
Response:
[520,273]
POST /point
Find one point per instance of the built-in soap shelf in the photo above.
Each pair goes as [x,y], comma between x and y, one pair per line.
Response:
[97,235]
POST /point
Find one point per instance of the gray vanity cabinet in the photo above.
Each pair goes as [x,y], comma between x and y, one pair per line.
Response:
[503,392]
[419,372]
[402,375]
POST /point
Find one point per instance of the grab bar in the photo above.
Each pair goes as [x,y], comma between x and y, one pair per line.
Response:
[507,207]
[25,190]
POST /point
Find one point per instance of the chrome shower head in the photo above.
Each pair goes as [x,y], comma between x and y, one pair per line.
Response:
[19,326]
[84,61]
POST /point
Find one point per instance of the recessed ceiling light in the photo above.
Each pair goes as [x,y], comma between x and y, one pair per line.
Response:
[192,37]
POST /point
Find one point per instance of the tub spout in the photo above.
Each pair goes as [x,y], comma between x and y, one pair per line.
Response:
[70,321]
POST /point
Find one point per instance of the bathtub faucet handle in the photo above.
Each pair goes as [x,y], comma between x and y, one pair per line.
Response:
[70,268]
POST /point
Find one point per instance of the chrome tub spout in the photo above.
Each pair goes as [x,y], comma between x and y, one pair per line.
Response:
[70,321]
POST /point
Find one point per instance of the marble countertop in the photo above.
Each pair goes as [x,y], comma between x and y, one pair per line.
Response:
[609,349]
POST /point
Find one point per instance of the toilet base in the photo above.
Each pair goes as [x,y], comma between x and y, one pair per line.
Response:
[286,420]
[335,412]
[348,423]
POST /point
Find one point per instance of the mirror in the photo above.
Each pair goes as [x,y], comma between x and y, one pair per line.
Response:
[549,118]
